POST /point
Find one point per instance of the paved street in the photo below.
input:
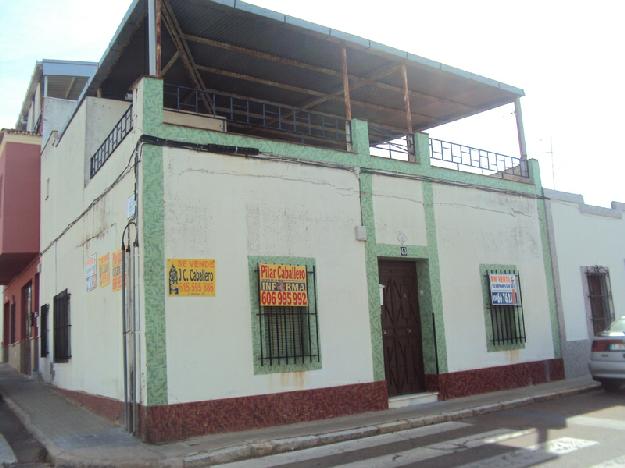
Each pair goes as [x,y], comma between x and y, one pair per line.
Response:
[582,430]
[16,443]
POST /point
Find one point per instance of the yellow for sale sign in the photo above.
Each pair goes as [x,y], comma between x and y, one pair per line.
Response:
[282,285]
[191,277]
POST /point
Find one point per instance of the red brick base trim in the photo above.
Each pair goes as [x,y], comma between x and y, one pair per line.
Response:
[108,408]
[492,379]
[175,422]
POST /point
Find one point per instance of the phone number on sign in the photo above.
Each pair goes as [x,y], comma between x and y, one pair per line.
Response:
[283,298]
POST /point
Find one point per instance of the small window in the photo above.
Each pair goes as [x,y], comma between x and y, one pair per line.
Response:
[285,317]
[600,298]
[27,309]
[503,306]
[62,327]
[44,330]
[13,324]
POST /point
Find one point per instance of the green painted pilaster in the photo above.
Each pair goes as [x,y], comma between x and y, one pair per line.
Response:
[360,137]
[373,277]
[435,277]
[422,148]
[151,109]
[547,259]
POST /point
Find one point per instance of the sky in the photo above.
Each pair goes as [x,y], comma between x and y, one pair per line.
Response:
[566,55]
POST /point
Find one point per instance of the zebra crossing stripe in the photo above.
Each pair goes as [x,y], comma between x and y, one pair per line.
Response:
[7,457]
[439,449]
[614,463]
[603,423]
[347,446]
[535,454]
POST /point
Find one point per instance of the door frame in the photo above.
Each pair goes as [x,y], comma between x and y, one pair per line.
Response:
[420,367]
[430,309]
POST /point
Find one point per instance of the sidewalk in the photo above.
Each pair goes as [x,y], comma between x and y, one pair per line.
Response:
[75,437]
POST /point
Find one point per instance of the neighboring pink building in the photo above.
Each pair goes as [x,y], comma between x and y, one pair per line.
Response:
[49,103]
[19,246]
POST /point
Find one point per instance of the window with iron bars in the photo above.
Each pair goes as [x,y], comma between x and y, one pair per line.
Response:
[62,327]
[505,324]
[599,297]
[44,330]
[286,338]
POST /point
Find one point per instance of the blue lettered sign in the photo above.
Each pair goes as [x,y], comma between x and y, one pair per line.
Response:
[504,289]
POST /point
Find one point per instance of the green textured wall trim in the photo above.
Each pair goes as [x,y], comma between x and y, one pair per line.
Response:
[435,277]
[311,364]
[490,347]
[151,113]
[551,290]
[373,277]
[360,137]
[392,250]
[422,148]
[154,275]
[429,340]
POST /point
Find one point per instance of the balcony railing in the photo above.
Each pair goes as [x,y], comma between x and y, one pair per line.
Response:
[261,118]
[469,159]
[391,143]
[122,128]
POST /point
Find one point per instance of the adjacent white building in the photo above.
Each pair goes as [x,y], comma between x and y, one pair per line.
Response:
[588,248]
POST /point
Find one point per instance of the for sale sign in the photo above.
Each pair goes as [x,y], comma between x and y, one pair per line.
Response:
[191,276]
[282,285]
[504,289]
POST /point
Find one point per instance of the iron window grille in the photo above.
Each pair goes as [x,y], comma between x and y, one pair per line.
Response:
[62,327]
[27,309]
[12,334]
[44,330]
[289,335]
[507,321]
[600,298]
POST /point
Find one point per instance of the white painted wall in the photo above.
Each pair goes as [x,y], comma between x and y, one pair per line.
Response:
[229,208]
[55,116]
[586,236]
[103,115]
[96,363]
[478,227]
[398,211]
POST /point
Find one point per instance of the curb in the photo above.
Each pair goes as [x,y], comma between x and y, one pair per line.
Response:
[276,446]
[58,457]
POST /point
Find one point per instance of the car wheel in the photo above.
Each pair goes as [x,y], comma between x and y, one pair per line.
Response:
[611,385]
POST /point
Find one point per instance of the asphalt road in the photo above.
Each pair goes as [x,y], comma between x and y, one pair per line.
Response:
[27,451]
[586,430]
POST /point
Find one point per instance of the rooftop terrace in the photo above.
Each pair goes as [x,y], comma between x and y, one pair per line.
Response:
[274,76]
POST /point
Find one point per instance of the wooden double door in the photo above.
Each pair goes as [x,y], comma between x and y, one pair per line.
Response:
[401,328]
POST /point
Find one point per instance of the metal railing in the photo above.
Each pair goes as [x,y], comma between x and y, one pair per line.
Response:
[261,118]
[466,158]
[122,128]
[390,143]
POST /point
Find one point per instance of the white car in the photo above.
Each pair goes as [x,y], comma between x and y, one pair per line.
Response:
[607,359]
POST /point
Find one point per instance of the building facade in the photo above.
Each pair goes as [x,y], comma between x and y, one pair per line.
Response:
[218,259]
[588,244]
[19,247]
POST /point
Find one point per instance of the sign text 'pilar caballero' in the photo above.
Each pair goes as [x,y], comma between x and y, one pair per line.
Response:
[282,285]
